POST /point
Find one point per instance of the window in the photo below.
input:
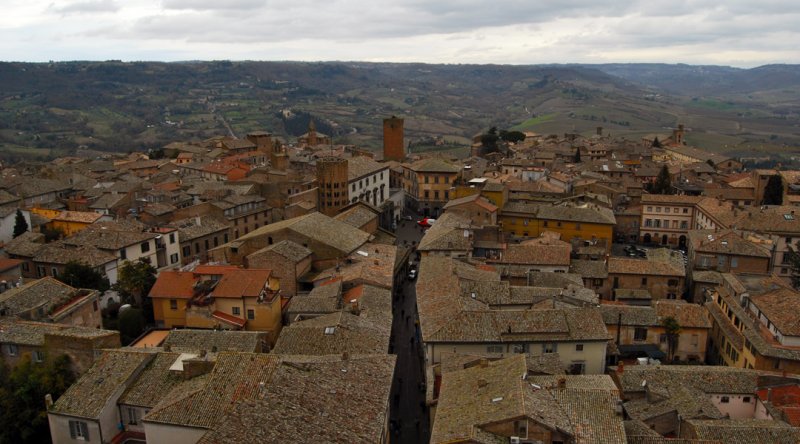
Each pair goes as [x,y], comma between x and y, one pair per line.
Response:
[648,222]
[251,314]
[685,211]
[173,304]
[494,349]
[41,271]
[734,262]
[173,258]
[640,334]
[435,179]
[650,209]
[672,282]
[658,209]
[38,356]
[725,400]
[123,254]
[79,430]
[172,238]
[549,348]
[132,414]
[577,226]
[644,281]
[187,251]
[54,271]
[746,399]
[577,368]
[684,224]
[236,311]
[578,347]
[206,244]
[544,224]
[12,350]
[597,282]
[666,210]
[145,247]
[197,248]
[216,239]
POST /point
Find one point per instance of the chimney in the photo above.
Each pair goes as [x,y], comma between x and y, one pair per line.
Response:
[167,348]
[562,383]
[354,309]
[48,401]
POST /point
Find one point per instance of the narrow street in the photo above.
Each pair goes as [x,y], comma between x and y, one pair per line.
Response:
[409,415]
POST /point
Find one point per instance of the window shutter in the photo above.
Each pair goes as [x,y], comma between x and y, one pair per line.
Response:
[72,429]
[85,430]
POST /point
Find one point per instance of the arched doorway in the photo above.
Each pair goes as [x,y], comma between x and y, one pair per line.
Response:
[682,241]
[647,239]
[664,240]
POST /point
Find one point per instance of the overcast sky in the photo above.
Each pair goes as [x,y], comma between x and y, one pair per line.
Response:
[742,33]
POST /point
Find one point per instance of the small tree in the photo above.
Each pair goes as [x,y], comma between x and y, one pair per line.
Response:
[23,414]
[656,143]
[134,281]
[81,275]
[663,183]
[20,224]
[489,140]
[512,136]
[131,324]
[672,331]
[577,157]
[773,192]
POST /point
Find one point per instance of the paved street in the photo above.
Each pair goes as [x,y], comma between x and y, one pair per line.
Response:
[409,416]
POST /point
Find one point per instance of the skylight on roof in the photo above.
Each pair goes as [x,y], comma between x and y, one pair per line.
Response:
[329,330]
[788,216]
[498,399]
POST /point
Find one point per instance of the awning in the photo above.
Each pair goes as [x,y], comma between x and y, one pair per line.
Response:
[228,319]
[641,350]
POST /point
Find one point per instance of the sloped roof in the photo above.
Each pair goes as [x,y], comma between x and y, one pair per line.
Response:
[472,399]
[331,400]
[317,227]
[780,307]
[87,397]
[193,341]
[174,284]
[336,333]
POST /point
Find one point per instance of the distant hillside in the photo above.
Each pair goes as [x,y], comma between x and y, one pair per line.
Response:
[57,109]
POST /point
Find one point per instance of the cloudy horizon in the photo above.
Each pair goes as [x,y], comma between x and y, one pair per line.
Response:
[735,33]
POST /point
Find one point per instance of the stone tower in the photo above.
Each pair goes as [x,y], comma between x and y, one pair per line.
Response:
[393,145]
[262,140]
[332,184]
[312,133]
[278,157]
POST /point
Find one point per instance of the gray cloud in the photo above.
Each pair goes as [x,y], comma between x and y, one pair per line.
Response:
[500,31]
[213,5]
[87,7]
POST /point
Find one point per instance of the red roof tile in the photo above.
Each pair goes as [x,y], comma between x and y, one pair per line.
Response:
[6,264]
[242,283]
[174,284]
[225,317]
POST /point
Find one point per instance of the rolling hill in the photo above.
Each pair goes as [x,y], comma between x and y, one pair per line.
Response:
[57,109]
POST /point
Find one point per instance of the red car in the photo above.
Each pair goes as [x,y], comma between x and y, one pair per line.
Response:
[427,222]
